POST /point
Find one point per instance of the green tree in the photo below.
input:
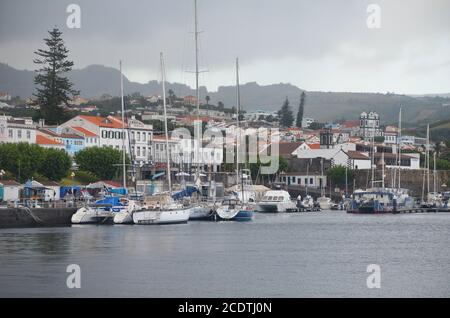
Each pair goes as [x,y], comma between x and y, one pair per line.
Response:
[53,87]
[103,162]
[56,164]
[283,165]
[301,110]
[207,98]
[23,160]
[337,175]
[285,114]
[316,125]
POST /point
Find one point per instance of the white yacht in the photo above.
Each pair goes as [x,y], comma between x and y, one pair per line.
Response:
[162,208]
[101,212]
[201,211]
[168,213]
[308,203]
[324,203]
[276,201]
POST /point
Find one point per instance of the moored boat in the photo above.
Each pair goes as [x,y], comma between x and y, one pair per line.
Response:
[276,201]
[101,212]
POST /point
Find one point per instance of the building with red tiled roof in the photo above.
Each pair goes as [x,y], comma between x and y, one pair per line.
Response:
[47,142]
[108,132]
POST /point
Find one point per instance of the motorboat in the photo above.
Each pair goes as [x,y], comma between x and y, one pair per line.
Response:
[276,201]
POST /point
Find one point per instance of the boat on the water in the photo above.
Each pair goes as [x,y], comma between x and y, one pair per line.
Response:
[233,209]
[276,201]
[168,213]
[102,211]
[202,211]
[325,203]
[380,200]
[162,208]
[307,203]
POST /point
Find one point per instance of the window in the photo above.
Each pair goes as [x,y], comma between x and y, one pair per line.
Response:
[138,136]
[311,180]
[143,151]
[28,134]
[138,151]
[144,136]
[19,133]
[306,181]
[10,133]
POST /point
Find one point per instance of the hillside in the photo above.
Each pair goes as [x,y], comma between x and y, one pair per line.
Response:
[96,80]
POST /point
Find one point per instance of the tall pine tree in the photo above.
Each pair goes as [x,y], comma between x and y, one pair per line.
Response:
[285,114]
[53,87]
[301,110]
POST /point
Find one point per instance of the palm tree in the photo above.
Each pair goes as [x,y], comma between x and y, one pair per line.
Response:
[207,98]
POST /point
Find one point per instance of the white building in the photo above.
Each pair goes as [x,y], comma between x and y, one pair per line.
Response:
[108,130]
[11,190]
[306,122]
[15,130]
[369,124]
[310,180]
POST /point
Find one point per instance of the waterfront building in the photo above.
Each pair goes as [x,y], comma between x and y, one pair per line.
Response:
[15,130]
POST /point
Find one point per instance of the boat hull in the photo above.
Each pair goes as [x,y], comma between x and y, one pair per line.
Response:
[87,216]
[201,213]
[148,217]
[123,218]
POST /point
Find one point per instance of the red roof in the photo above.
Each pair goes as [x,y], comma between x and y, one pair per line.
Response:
[110,122]
[42,140]
[85,131]
[356,155]
[314,146]
[71,136]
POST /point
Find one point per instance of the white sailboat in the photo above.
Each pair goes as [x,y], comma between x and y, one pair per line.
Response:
[233,209]
[126,215]
[165,210]
[323,201]
[201,210]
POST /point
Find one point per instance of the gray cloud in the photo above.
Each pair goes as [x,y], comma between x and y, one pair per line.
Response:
[316,45]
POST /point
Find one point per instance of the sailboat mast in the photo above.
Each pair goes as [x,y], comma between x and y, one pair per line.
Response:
[238,131]
[434,171]
[163,80]
[373,153]
[382,169]
[428,158]
[197,91]
[124,169]
[399,146]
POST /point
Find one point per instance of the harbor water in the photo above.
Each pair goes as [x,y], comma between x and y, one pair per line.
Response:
[323,254]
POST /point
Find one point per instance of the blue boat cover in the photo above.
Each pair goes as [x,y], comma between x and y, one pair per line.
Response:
[185,193]
[121,191]
[114,201]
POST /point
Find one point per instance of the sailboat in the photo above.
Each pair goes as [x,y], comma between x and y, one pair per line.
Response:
[323,201]
[162,208]
[125,216]
[376,200]
[110,208]
[234,209]
[200,210]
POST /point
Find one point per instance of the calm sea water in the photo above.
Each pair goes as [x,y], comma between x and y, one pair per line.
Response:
[288,255]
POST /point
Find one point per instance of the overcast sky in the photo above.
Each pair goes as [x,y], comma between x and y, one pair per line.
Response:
[315,44]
